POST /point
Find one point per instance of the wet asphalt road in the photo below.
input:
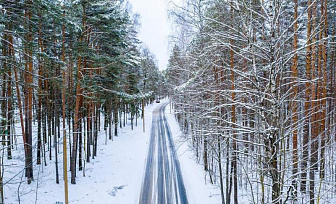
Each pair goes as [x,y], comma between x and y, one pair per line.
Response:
[162,182]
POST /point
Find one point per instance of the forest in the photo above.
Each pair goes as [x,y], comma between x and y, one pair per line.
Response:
[63,65]
[252,84]
[253,87]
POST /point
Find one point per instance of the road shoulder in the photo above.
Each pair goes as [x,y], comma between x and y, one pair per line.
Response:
[199,188]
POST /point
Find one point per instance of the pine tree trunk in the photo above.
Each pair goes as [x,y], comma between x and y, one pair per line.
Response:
[44,130]
[65,157]
[314,119]
[80,144]
[324,11]
[306,105]
[9,96]
[29,98]
[294,96]
[115,116]
[233,120]
[3,96]
[89,134]
[77,104]
[220,169]
[95,132]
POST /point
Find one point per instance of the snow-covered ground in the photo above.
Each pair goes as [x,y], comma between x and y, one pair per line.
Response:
[114,176]
[199,189]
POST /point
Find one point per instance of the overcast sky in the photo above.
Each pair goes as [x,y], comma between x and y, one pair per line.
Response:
[155,28]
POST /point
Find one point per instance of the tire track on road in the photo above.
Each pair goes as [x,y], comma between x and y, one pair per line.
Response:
[163,182]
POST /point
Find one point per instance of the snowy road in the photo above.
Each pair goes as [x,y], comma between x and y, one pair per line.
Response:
[162,183]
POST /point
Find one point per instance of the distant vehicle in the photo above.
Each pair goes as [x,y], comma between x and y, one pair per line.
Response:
[157,101]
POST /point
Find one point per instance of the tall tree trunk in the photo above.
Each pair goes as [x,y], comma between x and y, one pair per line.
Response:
[233,120]
[324,11]
[3,96]
[29,96]
[77,104]
[65,158]
[306,104]
[55,94]
[115,116]
[95,132]
[313,121]
[294,96]
[9,96]
[218,124]
[80,143]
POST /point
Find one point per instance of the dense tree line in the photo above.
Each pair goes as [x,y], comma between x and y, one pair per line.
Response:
[63,65]
[253,87]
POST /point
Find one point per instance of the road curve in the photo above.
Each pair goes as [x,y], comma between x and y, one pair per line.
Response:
[162,182]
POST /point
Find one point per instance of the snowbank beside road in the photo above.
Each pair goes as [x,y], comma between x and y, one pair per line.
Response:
[199,188]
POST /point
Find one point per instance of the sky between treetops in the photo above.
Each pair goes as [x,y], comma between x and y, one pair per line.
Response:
[155,27]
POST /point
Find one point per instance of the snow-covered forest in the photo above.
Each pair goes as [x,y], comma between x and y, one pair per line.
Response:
[251,84]
[253,87]
[63,65]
